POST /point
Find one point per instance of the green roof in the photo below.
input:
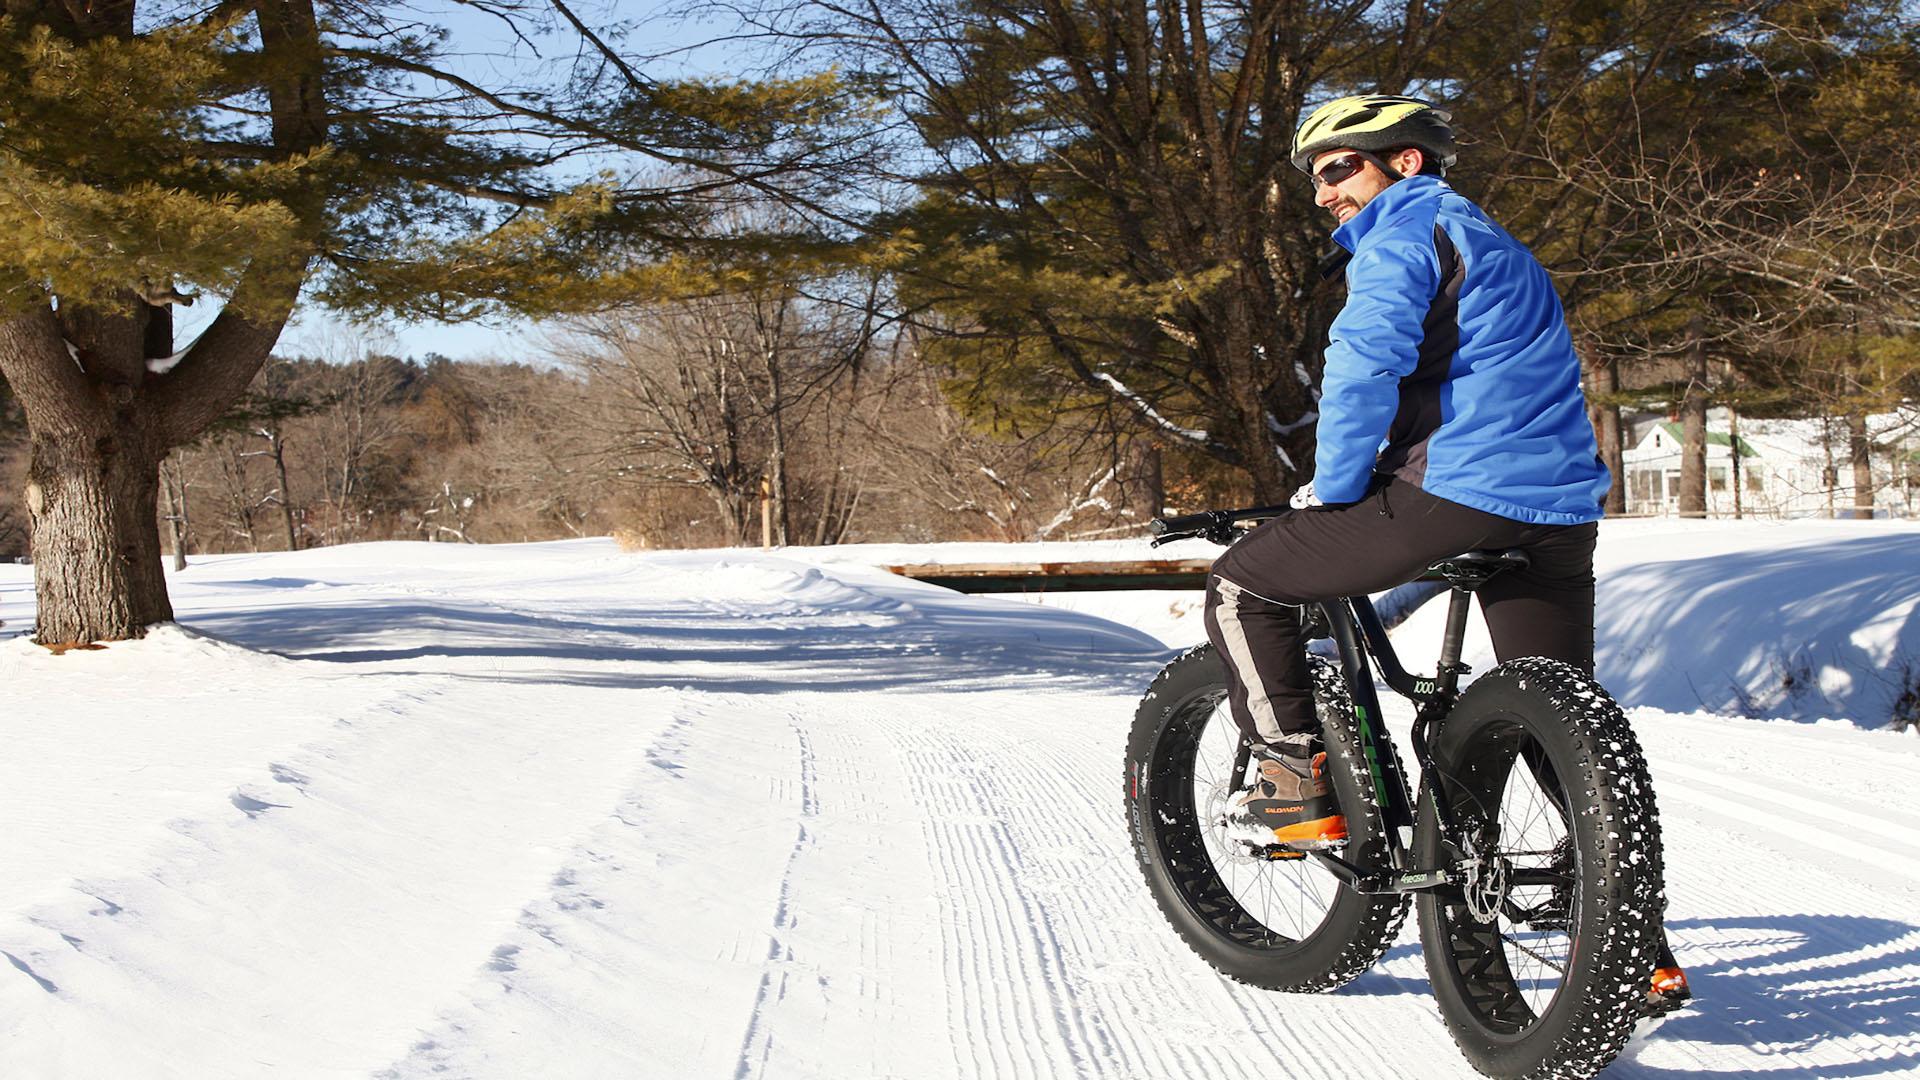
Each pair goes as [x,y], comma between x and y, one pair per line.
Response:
[1714,438]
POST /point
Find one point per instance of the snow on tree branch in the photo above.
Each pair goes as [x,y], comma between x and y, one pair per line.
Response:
[1140,405]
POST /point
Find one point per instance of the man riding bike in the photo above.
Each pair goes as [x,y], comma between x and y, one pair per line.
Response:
[1451,418]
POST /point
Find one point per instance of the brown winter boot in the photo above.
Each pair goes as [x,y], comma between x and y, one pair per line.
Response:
[1290,804]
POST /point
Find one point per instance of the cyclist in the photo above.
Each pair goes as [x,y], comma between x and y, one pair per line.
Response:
[1451,418]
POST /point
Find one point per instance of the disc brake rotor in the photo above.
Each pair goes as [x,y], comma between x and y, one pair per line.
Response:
[1485,886]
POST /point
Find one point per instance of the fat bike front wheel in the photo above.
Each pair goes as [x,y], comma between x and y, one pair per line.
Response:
[1280,924]
[1542,953]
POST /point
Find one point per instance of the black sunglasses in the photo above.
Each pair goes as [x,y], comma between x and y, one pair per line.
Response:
[1340,168]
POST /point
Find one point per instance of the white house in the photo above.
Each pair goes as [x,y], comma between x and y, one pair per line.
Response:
[1782,468]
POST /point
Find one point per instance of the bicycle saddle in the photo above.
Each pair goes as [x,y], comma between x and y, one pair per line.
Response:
[1471,569]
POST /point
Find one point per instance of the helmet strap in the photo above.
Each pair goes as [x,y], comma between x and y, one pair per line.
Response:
[1381,163]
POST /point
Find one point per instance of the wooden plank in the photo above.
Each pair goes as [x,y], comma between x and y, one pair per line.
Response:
[1171,574]
[1054,569]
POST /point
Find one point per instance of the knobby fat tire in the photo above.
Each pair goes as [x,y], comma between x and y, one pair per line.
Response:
[1615,830]
[1355,932]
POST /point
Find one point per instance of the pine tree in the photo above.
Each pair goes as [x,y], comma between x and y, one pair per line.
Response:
[1107,219]
[160,155]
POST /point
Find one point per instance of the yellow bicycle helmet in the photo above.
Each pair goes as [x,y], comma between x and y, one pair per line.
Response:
[1375,123]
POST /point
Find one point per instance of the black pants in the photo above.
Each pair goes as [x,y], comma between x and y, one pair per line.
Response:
[1257,587]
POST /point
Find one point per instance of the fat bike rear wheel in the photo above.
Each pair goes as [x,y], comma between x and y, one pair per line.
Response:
[1541,954]
[1280,924]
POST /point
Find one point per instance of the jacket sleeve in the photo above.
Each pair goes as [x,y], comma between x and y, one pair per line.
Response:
[1373,344]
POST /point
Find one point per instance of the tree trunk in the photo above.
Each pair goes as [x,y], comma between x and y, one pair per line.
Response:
[1605,415]
[286,502]
[1274,478]
[1860,452]
[777,461]
[1733,450]
[100,422]
[1149,487]
[176,487]
[1693,432]
[1829,471]
[94,500]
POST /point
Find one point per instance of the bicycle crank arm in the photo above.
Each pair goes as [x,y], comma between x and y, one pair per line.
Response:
[1375,881]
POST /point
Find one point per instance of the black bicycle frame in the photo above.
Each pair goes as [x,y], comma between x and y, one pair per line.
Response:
[1362,641]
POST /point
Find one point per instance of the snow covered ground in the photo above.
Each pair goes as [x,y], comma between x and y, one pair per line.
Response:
[561,811]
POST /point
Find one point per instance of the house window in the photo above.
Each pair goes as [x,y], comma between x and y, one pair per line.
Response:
[1754,481]
[1717,479]
[1644,485]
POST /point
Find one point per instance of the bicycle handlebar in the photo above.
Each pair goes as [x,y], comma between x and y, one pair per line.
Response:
[1214,525]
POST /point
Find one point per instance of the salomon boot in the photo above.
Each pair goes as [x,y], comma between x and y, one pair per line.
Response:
[1289,805]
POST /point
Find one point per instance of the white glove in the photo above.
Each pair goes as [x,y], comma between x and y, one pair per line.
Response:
[1304,498]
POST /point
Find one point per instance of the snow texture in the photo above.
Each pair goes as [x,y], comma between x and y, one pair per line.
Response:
[556,810]
[160,365]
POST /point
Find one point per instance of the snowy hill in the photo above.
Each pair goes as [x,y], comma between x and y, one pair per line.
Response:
[561,811]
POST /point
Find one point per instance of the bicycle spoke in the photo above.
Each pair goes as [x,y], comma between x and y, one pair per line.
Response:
[1285,899]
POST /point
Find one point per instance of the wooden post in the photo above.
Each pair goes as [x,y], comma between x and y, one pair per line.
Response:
[766,514]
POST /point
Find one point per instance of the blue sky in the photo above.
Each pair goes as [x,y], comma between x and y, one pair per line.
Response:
[482,40]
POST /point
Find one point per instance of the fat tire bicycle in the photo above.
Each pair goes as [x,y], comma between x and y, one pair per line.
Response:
[1532,845]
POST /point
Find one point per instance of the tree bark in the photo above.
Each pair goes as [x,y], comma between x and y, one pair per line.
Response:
[1149,487]
[93,497]
[1693,433]
[1860,453]
[92,493]
[1605,415]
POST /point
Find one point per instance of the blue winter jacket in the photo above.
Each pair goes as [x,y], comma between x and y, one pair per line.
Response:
[1451,366]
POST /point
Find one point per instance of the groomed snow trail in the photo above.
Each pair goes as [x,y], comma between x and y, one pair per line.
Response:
[558,811]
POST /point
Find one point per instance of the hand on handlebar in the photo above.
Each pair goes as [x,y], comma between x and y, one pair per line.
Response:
[1214,525]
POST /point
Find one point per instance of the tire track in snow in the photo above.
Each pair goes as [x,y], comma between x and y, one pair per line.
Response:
[1249,1030]
[1041,887]
[638,930]
[848,982]
[999,943]
[756,1046]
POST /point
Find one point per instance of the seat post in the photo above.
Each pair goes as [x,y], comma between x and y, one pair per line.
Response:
[1466,573]
[1455,640]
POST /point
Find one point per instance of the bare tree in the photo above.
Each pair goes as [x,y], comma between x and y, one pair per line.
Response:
[733,394]
[352,426]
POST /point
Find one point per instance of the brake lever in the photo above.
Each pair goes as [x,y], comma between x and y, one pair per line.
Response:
[1221,534]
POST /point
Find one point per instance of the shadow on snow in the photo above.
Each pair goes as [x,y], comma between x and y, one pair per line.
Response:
[1688,640]
[917,638]
[1786,985]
